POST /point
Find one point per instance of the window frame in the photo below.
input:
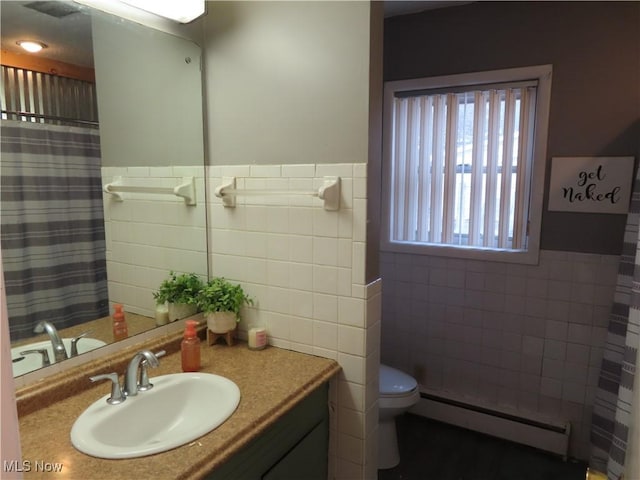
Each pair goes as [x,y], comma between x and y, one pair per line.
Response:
[540,73]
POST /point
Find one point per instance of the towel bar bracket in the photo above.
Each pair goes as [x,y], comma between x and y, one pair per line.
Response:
[330,193]
[228,183]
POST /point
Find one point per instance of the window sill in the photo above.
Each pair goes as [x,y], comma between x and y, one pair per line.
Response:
[524,257]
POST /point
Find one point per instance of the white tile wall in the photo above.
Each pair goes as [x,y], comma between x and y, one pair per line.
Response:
[305,266]
[149,235]
[511,337]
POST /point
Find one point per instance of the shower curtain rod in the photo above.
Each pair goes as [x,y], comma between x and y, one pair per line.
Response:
[51,117]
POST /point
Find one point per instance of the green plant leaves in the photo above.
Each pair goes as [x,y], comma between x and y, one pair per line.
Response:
[217,295]
[182,288]
[220,295]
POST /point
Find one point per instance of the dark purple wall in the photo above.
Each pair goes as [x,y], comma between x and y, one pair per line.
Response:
[594,48]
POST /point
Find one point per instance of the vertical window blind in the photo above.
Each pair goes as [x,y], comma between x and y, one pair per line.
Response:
[462,165]
[50,98]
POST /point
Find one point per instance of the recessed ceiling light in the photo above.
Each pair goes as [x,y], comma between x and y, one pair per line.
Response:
[31,46]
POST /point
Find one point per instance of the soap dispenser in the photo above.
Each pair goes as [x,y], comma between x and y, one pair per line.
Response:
[120,330]
[190,348]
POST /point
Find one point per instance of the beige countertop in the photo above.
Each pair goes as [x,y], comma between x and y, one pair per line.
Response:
[271,382]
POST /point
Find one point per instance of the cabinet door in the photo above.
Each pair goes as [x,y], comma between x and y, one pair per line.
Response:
[300,427]
[308,459]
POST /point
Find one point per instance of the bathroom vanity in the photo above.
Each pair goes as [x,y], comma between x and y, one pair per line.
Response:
[281,423]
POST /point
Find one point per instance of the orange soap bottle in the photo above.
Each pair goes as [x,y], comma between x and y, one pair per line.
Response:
[120,329]
[190,348]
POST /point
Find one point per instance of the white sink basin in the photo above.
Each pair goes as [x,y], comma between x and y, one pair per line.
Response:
[27,363]
[178,409]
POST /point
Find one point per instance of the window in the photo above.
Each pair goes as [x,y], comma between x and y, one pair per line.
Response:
[464,164]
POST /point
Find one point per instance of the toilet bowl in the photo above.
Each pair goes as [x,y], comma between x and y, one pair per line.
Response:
[398,393]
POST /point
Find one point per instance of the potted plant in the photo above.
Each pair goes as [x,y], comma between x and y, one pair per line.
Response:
[221,301]
[180,292]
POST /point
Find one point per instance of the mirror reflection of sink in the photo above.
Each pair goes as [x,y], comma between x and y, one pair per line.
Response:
[178,409]
[27,363]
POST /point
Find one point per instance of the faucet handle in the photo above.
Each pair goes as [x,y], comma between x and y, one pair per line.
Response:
[160,353]
[116,392]
[41,351]
[145,384]
[74,342]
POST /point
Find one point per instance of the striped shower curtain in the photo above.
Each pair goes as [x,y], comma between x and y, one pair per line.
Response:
[52,225]
[613,411]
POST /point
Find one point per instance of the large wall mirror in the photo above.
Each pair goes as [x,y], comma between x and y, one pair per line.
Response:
[107,101]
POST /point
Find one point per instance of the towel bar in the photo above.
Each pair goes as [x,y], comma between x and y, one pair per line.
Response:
[329,192]
[186,190]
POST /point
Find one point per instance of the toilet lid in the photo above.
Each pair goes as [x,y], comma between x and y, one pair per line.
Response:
[393,381]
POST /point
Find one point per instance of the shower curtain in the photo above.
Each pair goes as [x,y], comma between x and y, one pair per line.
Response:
[52,225]
[613,412]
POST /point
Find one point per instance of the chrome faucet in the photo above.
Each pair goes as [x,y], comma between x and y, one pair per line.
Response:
[131,375]
[59,352]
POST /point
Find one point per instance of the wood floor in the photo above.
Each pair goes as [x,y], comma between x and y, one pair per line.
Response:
[432,450]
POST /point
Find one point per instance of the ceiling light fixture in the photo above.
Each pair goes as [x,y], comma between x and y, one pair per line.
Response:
[31,46]
[183,11]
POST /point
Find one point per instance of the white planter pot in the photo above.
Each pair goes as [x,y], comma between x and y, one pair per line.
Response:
[178,311]
[221,322]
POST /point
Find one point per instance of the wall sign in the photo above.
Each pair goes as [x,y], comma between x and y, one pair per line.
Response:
[591,184]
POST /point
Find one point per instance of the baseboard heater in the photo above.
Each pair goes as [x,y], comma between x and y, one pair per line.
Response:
[549,436]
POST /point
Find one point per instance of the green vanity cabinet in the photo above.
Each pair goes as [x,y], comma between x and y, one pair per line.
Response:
[295,448]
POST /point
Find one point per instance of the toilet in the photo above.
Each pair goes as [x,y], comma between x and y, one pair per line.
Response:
[398,393]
